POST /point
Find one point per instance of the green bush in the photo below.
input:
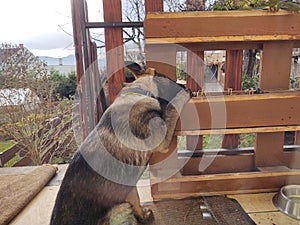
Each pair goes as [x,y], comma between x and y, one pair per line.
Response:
[271,5]
[64,85]
[249,82]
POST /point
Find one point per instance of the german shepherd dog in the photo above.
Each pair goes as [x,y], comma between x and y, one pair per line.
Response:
[99,186]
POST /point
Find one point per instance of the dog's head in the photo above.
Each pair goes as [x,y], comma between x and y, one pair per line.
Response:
[138,71]
[160,85]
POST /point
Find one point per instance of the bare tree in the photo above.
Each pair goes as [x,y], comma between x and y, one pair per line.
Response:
[134,11]
[174,5]
[41,126]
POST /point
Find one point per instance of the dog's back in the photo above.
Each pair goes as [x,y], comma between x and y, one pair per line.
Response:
[94,182]
[90,187]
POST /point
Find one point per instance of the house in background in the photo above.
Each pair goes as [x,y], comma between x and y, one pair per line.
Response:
[16,58]
[21,97]
[12,100]
[8,51]
[63,65]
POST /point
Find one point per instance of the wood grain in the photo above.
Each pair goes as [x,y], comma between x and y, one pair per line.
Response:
[112,11]
[218,26]
[241,111]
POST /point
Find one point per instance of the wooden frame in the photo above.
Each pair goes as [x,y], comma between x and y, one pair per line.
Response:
[268,115]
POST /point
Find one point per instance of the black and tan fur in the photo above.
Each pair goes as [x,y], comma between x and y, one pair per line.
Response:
[87,195]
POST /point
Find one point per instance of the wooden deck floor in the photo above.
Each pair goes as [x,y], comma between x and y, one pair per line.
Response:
[258,206]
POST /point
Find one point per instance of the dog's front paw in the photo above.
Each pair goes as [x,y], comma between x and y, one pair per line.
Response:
[189,92]
[146,217]
[184,95]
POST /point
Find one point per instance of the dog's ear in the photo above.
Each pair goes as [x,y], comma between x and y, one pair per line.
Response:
[134,68]
[150,71]
[138,71]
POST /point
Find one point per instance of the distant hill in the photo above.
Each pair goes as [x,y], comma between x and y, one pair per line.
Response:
[51,61]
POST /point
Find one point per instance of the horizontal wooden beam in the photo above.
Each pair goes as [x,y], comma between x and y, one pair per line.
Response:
[242,161]
[230,39]
[231,183]
[221,26]
[238,130]
[220,164]
[204,46]
[225,151]
[241,111]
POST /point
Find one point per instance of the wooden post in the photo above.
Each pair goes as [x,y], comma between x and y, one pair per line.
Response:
[78,42]
[114,48]
[195,70]
[297,138]
[233,79]
[158,56]
[99,96]
[195,82]
[276,67]
[162,58]
[154,5]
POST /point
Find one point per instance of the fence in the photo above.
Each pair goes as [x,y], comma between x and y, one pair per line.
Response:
[50,144]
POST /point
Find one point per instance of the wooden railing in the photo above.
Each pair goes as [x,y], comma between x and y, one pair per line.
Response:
[9,154]
[269,164]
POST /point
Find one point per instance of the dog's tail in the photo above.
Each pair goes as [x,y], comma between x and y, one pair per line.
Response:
[120,215]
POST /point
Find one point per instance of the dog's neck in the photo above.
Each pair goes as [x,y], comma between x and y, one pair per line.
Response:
[137,91]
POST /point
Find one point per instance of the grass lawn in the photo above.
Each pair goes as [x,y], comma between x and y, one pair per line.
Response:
[5,145]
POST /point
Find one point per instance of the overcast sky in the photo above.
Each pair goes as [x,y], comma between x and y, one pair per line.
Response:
[36,24]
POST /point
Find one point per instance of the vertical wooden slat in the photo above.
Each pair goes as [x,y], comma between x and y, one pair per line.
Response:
[164,165]
[195,78]
[233,79]
[233,73]
[194,142]
[154,5]
[112,10]
[297,138]
[158,56]
[276,67]
[195,82]
[195,70]
[162,58]
[99,96]
[78,42]
[269,149]
[88,69]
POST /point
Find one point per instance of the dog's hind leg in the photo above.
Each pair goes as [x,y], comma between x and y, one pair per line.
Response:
[119,215]
[143,215]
